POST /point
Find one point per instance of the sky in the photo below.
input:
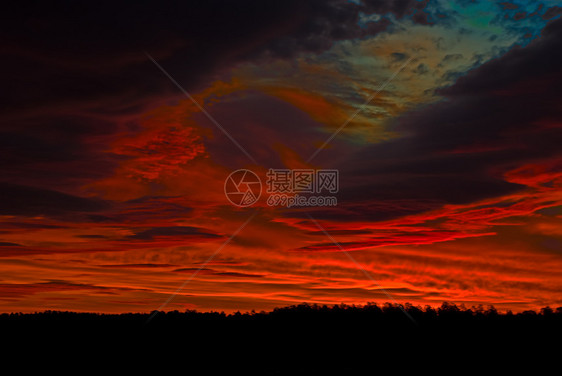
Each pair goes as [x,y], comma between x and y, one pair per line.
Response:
[120,124]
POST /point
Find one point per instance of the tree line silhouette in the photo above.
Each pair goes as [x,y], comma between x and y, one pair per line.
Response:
[300,339]
[386,313]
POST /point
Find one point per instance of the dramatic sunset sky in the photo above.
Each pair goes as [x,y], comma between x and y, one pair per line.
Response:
[112,179]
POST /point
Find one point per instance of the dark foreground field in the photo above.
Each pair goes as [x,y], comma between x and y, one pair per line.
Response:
[298,340]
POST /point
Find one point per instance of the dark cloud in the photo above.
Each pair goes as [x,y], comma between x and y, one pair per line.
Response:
[323,22]
[20,290]
[521,71]
[22,251]
[341,232]
[147,209]
[363,204]
[398,56]
[421,69]
[519,16]
[452,57]
[222,262]
[47,148]
[239,275]
[278,123]
[64,50]
[495,118]
[30,226]
[193,270]
[174,231]
[510,6]
[30,201]
[77,75]
[385,238]
[212,272]
[552,12]
[137,266]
